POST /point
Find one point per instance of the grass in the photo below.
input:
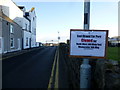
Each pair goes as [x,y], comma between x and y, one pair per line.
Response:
[113,53]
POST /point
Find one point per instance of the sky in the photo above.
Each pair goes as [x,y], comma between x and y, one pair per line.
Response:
[54,17]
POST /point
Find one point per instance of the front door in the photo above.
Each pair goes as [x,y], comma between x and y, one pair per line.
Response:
[19,44]
[30,43]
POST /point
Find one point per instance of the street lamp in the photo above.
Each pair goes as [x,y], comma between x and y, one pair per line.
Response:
[46,42]
[58,37]
[52,42]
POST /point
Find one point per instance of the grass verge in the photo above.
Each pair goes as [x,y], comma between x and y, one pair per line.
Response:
[114,53]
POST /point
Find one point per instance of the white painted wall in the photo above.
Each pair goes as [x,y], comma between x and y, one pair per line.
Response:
[25,21]
[33,27]
[33,22]
[37,44]
[33,43]
[26,34]
[11,10]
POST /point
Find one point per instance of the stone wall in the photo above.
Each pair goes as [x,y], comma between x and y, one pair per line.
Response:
[105,73]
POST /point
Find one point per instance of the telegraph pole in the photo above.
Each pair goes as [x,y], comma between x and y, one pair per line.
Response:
[85,68]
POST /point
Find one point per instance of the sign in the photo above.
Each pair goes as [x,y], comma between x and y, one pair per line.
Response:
[88,43]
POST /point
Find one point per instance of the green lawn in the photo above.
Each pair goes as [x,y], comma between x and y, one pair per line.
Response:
[114,53]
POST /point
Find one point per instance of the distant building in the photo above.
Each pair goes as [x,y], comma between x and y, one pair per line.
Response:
[114,41]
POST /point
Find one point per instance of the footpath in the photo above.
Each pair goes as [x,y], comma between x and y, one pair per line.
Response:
[59,74]
[15,53]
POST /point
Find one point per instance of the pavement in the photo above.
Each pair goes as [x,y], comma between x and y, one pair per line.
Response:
[19,52]
[28,70]
[63,72]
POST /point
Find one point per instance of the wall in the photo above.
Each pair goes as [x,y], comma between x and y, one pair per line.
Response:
[25,21]
[6,35]
[18,35]
[33,42]
[33,27]
[33,22]
[103,71]
[26,33]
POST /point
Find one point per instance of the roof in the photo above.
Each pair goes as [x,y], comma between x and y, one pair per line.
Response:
[8,19]
[32,9]
[21,7]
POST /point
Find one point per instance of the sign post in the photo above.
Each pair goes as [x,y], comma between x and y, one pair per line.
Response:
[85,68]
[87,44]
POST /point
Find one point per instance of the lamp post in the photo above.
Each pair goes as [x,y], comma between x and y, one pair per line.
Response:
[58,37]
[52,42]
[46,42]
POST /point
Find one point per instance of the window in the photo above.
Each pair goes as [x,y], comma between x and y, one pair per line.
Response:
[12,42]
[26,26]
[33,18]
[26,41]
[11,28]
[86,18]
[7,23]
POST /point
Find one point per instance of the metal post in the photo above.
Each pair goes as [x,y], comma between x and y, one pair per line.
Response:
[46,43]
[85,68]
[58,37]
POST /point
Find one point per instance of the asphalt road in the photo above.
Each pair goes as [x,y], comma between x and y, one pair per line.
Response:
[29,70]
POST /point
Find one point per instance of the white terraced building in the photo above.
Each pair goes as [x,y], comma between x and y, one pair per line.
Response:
[26,20]
[29,30]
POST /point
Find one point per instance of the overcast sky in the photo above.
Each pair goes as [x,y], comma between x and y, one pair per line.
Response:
[63,16]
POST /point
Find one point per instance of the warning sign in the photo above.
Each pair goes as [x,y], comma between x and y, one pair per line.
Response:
[88,43]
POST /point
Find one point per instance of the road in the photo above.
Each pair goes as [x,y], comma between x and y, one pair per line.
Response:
[29,70]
